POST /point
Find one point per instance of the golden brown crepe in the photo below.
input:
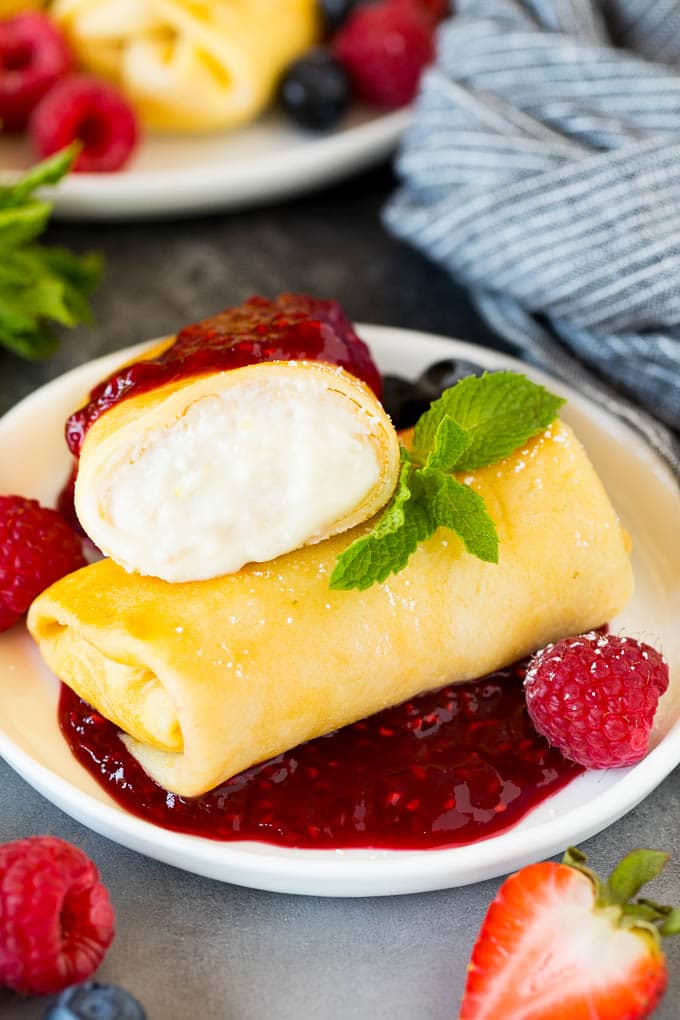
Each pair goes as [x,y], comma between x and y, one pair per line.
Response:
[211,677]
[190,65]
[198,477]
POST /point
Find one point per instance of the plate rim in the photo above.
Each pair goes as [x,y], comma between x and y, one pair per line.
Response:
[224,184]
[382,872]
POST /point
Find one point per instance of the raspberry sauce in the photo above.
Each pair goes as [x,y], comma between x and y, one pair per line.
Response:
[445,769]
[294,327]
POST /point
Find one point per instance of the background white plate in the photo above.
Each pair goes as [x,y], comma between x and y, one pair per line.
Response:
[172,175]
[34,462]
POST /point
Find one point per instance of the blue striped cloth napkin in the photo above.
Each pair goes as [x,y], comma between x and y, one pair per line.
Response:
[542,169]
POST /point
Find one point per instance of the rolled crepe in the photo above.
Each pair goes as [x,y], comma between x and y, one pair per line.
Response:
[190,65]
[198,477]
[209,678]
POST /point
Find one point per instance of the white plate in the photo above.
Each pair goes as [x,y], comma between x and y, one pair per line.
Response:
[172,175]
[35,462]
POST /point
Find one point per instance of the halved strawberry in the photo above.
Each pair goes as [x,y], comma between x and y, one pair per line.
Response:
[556,944]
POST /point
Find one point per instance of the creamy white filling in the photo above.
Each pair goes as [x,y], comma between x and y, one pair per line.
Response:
[243,475]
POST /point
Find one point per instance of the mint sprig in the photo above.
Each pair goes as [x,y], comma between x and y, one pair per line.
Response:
[477,422]
[498,411]
[39,285]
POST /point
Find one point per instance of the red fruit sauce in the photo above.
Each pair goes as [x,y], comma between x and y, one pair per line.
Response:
[293,327]
[442,770]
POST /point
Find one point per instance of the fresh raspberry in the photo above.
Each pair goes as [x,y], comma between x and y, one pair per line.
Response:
[37,547]
[384,47]
[594,697]
[33,56]
[56,919]
[93,112]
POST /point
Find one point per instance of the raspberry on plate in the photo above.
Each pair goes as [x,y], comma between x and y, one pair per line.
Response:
[82,108]
[384,46]
[33,56]
[594,697]
[37,547]
[56,919]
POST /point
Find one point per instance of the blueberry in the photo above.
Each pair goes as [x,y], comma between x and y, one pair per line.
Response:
[92,1001]
[315,90]
[402,401]
[334,12]
[444,374]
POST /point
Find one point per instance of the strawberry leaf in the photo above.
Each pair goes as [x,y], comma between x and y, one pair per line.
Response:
[576,859]
[644,912]
[635,870]
[671,925]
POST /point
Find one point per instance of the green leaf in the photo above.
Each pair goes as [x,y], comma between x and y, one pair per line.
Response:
[635,870]
[458,507]
[19,224]
[499,411]
[652,911]
[82,272]
[671,925]
[450,442]
[31,343]
[642,912]
[49,172]
[478,421]
[660,908]
[576,859]
[39,285]
[387,548]
[425,500]
[78,275]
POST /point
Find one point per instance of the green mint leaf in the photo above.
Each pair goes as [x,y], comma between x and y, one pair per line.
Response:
[49,172]
[39,285]
[76,276]
[20,332]
[477,422]
[458,507]
[425,500]
[19,224]
[500,411]
[450,442]
[80,272]
[635,870]
[387,548]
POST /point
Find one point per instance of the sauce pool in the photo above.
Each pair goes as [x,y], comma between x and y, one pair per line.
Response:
[442,770]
